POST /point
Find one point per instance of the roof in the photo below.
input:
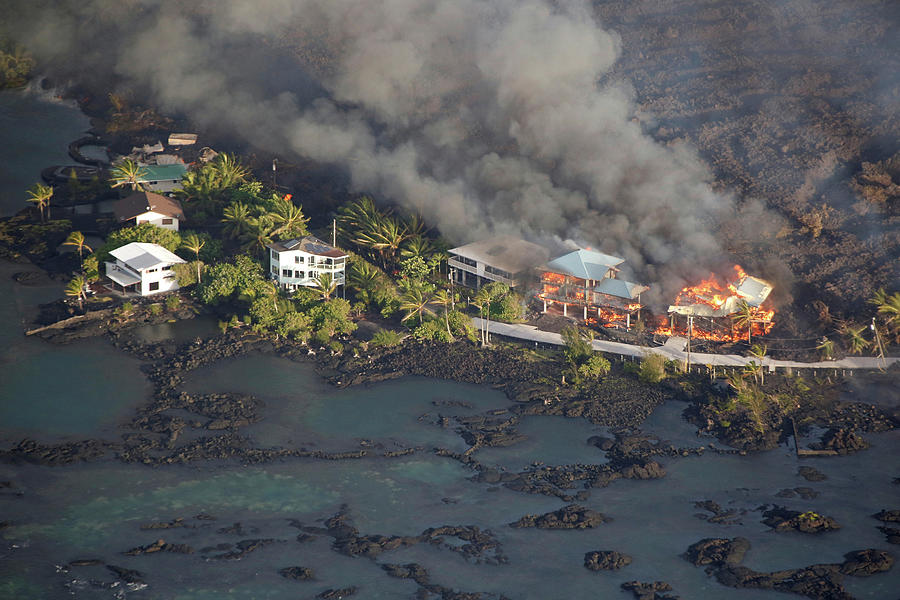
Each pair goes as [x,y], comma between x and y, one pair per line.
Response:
[620,288]
[141,255]
[182,139]
[508,253]
[584,264]
[121,276]
[309,244]
[163,172]
[754,290]
[142,202]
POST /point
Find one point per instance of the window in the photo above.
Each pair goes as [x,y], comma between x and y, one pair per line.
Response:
[296,259]
[287,273]
[167,268]
[300,275]
[274,255]
[167,221]
[151,270]
[274,269]
[464,260]
[153,286]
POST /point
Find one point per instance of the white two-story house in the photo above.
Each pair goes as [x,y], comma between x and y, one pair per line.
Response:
[299,262]
[143,268]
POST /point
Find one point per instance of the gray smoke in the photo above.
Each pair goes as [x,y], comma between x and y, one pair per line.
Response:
[486,117]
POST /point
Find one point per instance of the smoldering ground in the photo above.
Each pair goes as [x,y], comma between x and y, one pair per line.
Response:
[486,117]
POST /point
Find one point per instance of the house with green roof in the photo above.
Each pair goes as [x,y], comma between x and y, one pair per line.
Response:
[162,178]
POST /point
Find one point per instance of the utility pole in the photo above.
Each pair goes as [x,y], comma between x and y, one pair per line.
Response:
[878,342]
[334,232]
[690,333]
[274,173]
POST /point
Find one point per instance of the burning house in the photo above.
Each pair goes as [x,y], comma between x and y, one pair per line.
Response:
[722,311]
[587,280]
[508,260]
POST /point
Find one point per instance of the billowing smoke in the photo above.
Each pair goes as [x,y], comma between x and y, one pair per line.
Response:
[485,116]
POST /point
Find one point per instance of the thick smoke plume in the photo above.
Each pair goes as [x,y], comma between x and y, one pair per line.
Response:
[485,116]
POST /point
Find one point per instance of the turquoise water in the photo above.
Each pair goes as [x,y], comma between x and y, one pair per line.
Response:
[37,128]
[51,391]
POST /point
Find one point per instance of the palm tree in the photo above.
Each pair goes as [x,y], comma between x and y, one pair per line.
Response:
[385,238]
[76,239]
[75,289]
[889,306]
[325,285]
[200,185]
[826,347]
[415,302]
[259,234]
[445,299]
[237,218]
[193,243]
[229,170]
[365,279]
[759,351]
[416,245]
[357,215]
[39,195]
[743,317]
[128,172]
[483,301]
[856,343]
[290,219]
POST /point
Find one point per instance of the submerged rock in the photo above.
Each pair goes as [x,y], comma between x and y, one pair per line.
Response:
[782,519]
[568,517]
[649,591]
[606,560]
[296,573]
[718,551]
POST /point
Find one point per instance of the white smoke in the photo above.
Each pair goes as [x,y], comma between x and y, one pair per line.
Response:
[485,116]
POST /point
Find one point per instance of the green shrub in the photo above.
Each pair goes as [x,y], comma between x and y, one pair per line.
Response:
[385,338]
[336,347]
[596,366]
[156,309]
[431,330]
[173,301]
[653,368]
[321,337]
[126,309]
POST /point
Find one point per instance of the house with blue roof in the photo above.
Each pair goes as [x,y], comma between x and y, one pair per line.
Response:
[587,280]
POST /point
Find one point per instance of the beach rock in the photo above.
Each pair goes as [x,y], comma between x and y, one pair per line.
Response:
[296,573]
[719,515]
[127,575]
[862,563]
[804,492]
[782,519]
[85,562]
[811,474]
[842,441]
[413,571]
[568,517]
[718,551]
[173,524]
[888,516]
[891,534]
[160,546]
[649,591]
[245,547]
[337,594]
[606,560]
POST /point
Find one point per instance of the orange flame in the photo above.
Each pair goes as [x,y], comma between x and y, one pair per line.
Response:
[715,293]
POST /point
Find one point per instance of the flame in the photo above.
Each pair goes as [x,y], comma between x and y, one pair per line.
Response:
[715,293]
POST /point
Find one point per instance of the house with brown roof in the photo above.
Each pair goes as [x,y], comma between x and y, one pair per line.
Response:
[299,262]
[149,207]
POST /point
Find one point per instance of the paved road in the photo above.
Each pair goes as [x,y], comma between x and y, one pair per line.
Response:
[674,349]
